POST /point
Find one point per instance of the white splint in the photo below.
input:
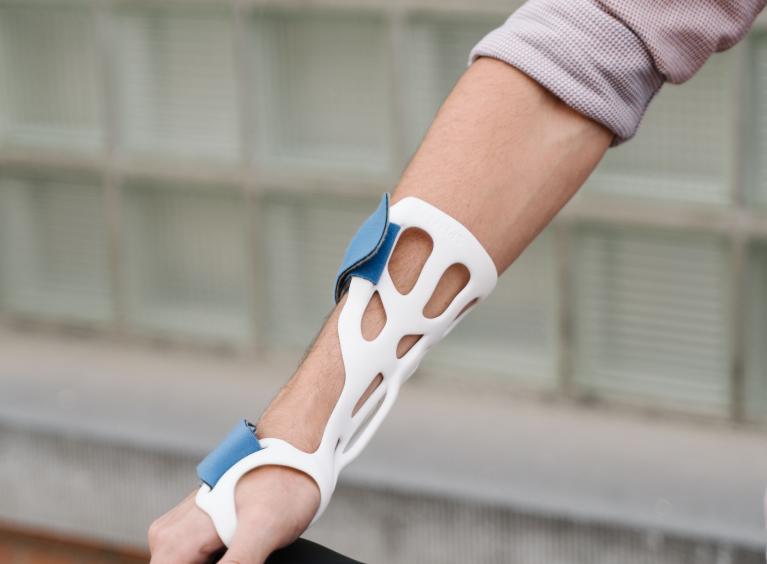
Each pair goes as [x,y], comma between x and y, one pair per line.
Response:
[347,433]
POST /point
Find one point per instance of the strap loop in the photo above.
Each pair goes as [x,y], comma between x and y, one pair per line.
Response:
[239,443]
[369,249]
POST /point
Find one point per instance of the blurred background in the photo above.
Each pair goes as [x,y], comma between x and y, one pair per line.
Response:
[178,180]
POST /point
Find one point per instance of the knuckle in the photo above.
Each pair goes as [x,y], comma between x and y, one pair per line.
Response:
[156,532]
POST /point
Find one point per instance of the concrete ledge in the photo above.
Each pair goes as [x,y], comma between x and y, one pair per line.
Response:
[110,491]
[99,438]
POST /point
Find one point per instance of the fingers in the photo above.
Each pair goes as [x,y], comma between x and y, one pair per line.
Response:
[184,535]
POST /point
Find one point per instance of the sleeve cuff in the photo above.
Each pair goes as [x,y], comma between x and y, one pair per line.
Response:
[581,54]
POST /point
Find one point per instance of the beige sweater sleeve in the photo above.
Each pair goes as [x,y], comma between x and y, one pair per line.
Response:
[608,58]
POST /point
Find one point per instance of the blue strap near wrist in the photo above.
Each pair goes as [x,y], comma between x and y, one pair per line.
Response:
[239,443]
[368,250]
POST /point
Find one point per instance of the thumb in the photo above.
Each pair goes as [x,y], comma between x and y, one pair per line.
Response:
[250,545]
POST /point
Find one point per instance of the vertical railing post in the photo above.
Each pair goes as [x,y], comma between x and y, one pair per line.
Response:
[249,186]
[396,21]
[563,254]
[109,169]
[738,232]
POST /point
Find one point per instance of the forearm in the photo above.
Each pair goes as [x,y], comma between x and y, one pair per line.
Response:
[502,157]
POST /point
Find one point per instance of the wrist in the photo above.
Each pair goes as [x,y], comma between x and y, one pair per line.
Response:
[257,493]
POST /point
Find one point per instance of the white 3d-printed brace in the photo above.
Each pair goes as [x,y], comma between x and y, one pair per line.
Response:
[346,434]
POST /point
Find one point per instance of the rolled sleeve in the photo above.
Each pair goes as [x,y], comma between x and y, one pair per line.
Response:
[681,35]
[583,55]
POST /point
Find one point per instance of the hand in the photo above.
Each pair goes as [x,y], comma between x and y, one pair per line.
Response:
[274,506]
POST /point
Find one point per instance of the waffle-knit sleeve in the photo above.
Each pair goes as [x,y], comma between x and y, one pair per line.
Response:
[607,58]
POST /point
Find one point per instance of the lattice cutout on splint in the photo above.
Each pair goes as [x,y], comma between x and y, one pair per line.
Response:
[417,316]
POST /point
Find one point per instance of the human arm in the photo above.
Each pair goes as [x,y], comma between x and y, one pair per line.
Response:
[502,157]
[503,168]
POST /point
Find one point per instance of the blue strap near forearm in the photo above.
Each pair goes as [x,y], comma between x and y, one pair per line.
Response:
[239,443]
[368,250]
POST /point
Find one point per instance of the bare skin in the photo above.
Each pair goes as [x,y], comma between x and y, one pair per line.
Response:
[502,157]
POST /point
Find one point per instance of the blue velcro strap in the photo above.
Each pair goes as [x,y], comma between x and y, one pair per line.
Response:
[368,250]
[239,443]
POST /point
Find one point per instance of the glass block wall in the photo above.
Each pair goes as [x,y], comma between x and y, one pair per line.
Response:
[52,234]
[683,151]
[323,82]
[195,169]
[51,95]
[758,119]
[175,85]
[756,329]
[187,259]
[652,312]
